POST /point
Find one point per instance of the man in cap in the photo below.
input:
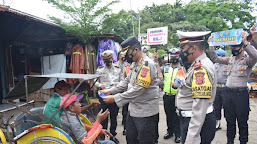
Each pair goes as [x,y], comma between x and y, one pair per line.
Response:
[141,94]
[170,72]
[222,75]
[61,88]
[110,76]
[80,132]
[197,90]
[236,101]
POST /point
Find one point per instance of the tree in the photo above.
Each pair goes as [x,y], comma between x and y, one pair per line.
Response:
[120,24]
[219,15]
[83,17]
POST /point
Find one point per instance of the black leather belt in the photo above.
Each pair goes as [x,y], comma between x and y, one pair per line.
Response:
[240,89]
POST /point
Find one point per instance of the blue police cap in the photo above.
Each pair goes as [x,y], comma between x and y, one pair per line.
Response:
[128,43]
[221,52]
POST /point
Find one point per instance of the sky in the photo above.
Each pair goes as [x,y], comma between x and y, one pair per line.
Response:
[42,9]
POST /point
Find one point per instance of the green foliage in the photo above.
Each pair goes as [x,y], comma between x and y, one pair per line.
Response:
[83,18]
[161,52]
[219,15]
[120,24]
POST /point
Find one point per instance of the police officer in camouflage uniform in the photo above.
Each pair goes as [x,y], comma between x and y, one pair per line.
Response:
[170,73]
[236,101]
[141,94]
[110,76]
[197,90]
[222,75]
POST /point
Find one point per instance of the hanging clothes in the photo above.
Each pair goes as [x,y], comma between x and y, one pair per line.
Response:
[77,62]
[90,59]
[77,59]
[53,64]
[118,47]
[104,45]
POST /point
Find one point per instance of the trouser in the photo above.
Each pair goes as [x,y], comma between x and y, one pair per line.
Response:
[236,108]
[113,109]
[218,102]
[172,118]
[207,132]
[141,130]
[124,115]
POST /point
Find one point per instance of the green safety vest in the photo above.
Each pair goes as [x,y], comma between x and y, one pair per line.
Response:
[169,76]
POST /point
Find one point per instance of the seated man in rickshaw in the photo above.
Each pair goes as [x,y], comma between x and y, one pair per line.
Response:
[80,132]
[61,88]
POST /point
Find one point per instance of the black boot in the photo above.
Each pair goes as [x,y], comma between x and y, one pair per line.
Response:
[168,135]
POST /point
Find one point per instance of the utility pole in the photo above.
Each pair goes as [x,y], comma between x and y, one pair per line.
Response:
[139,25]
[132,18]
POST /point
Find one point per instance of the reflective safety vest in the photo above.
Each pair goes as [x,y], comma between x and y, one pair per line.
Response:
[169,76]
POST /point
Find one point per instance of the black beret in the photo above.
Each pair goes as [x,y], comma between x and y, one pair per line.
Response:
[129,42]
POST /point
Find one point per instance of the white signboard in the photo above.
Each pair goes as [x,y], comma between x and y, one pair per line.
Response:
[157,36]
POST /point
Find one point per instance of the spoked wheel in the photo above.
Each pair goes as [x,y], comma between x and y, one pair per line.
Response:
[47,140]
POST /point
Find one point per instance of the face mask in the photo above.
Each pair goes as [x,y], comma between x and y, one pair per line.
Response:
[129,57]
[174,60]
[184,55]
[187,65]
[108,63]
[236,52]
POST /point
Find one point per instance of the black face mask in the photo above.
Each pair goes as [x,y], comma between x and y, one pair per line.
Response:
[108,63]
[129,57]
[236,52]
[184,55]
[187,65]
[174,60]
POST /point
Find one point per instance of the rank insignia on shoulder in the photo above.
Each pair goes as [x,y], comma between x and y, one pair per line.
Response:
[197,64]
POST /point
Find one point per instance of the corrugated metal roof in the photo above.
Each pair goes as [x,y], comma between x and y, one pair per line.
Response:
[20,13]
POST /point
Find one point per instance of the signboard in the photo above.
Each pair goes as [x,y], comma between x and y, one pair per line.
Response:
[229,37]
[143,39]
[157,36]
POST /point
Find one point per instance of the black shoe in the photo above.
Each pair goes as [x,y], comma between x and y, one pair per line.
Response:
[168,135]
[124,132]
[114,139]
[177,139]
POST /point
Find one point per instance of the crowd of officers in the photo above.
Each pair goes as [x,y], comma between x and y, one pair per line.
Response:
[194,90]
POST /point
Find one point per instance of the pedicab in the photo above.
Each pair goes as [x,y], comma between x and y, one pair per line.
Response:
[28,127]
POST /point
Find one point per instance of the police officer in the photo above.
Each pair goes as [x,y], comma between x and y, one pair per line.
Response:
[221,70]
[170,73]
[142,95]
[125,68]
[110,76]
[236,101]
[197,90]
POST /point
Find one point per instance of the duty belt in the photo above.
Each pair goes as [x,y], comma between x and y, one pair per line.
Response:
[189,113]
[239,89]
[221,85]
[170,94]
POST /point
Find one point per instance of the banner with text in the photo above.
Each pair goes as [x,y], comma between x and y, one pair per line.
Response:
[229,37]
[157,36]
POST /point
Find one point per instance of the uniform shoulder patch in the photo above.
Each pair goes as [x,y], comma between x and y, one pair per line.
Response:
[201,84]
[144,77]
[197,64]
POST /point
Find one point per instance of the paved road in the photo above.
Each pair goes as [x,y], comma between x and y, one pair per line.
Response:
[220,136]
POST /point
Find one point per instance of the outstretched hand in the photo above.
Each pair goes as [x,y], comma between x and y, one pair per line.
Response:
[108,99]
[101,116]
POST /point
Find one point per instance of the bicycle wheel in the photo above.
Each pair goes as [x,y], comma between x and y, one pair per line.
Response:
[2,137]
[47,140]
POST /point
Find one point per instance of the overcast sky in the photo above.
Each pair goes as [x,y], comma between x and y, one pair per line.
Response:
[41,8]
